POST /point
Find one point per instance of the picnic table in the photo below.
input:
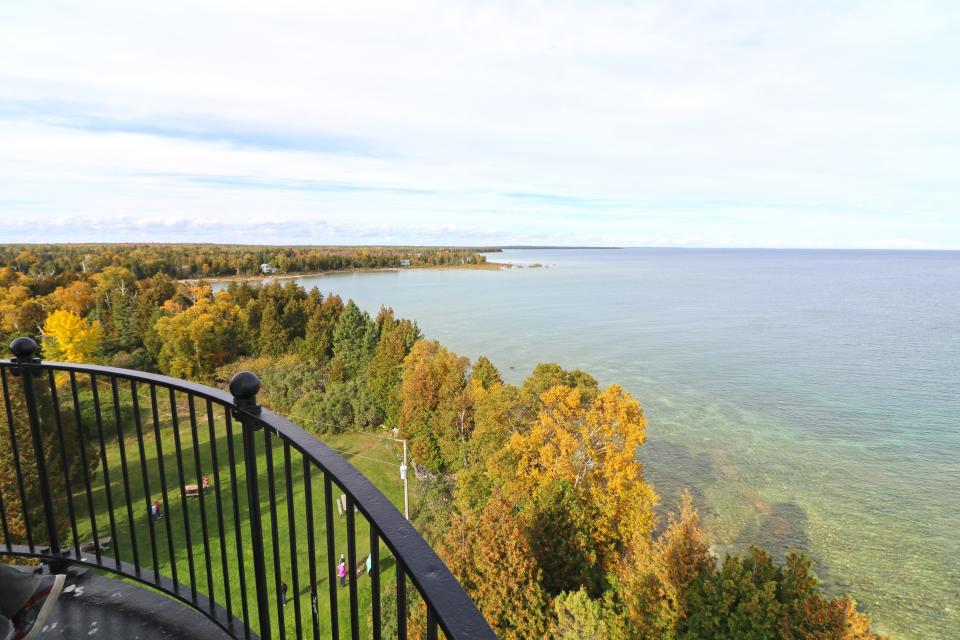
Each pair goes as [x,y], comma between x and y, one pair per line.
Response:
[193,490]
[102,543]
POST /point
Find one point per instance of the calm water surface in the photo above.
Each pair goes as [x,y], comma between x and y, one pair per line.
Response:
[808,399]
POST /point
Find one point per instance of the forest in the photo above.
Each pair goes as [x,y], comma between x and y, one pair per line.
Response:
[532,493]
[48,262]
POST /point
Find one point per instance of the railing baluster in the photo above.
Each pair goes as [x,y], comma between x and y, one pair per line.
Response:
[208,565]
[163,487]
[237,527]
[331,563]
[82,438]
[15,452]
[401,600]
[352,570]
[65,467]
[292,524]
[115,540]
[23,350]
[184,507]
[375,580]
[244,387]
[311,548]
[3,525]
[274,531]
[123,468]
[215,462]
[145,476]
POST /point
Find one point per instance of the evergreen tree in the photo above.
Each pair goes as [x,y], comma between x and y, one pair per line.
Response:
[350,341]
[578,617]
[485,373]
[272,340]
[318,343]
[491,556]
[123,327]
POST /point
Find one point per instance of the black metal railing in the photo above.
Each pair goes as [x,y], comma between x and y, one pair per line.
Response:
[214,501]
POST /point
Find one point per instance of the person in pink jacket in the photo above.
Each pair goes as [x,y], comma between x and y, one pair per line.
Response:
[342,571]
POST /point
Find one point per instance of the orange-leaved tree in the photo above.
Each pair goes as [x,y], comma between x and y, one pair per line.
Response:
[491,557]
[654,577]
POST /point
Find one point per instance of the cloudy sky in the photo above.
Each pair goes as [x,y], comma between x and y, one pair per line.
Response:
[800,124]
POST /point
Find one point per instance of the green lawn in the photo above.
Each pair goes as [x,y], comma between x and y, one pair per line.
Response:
[363,450]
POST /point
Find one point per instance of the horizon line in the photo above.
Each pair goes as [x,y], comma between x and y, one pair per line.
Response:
[478,247]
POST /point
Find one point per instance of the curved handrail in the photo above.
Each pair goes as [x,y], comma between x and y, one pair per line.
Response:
[448,606]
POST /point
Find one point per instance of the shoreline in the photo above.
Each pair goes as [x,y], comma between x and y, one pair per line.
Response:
[483,266]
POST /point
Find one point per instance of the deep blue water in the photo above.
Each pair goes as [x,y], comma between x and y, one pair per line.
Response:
[807,398]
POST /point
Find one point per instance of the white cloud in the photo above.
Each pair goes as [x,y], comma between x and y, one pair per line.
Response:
[715,123]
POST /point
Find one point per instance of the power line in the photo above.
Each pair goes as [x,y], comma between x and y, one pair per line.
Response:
[323,424]
[357,455]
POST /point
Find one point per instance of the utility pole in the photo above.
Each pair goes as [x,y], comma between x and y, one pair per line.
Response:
[403,471]
[403,476]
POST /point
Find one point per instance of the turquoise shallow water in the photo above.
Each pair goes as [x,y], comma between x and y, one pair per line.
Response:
[808,398]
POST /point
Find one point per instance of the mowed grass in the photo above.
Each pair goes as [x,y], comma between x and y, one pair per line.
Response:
[186,543]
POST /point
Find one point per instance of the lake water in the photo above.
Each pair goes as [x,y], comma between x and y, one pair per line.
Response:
[808,399]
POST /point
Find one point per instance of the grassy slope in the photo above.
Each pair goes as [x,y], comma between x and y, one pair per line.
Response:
[360,448]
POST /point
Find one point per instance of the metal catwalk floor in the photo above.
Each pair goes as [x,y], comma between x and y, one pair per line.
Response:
[97,608]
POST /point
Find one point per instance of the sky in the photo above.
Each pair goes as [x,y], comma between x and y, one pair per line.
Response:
[679,123]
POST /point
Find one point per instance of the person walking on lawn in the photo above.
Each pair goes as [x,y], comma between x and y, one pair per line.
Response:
[26,600]
[342,571]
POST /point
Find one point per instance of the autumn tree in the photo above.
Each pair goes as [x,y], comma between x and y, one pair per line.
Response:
[498,413]
[20,314]
[577,616]
[485,373]
[70,338]
[79,297]
[592,446]
[545,376]
[560,540]
[490,556]
[808,615]
[194,342]
[431,406]
[655,576]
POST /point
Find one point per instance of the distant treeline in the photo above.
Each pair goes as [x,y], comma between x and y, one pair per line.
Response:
[198,260]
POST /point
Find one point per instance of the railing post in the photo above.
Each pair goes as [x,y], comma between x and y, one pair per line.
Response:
[244,387]
[24,350]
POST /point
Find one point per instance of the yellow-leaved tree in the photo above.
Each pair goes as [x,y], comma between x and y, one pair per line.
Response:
[69,337]
[591,445]
[202,337]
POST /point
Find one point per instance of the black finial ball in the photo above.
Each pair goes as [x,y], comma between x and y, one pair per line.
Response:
[245,385]
[24,347]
